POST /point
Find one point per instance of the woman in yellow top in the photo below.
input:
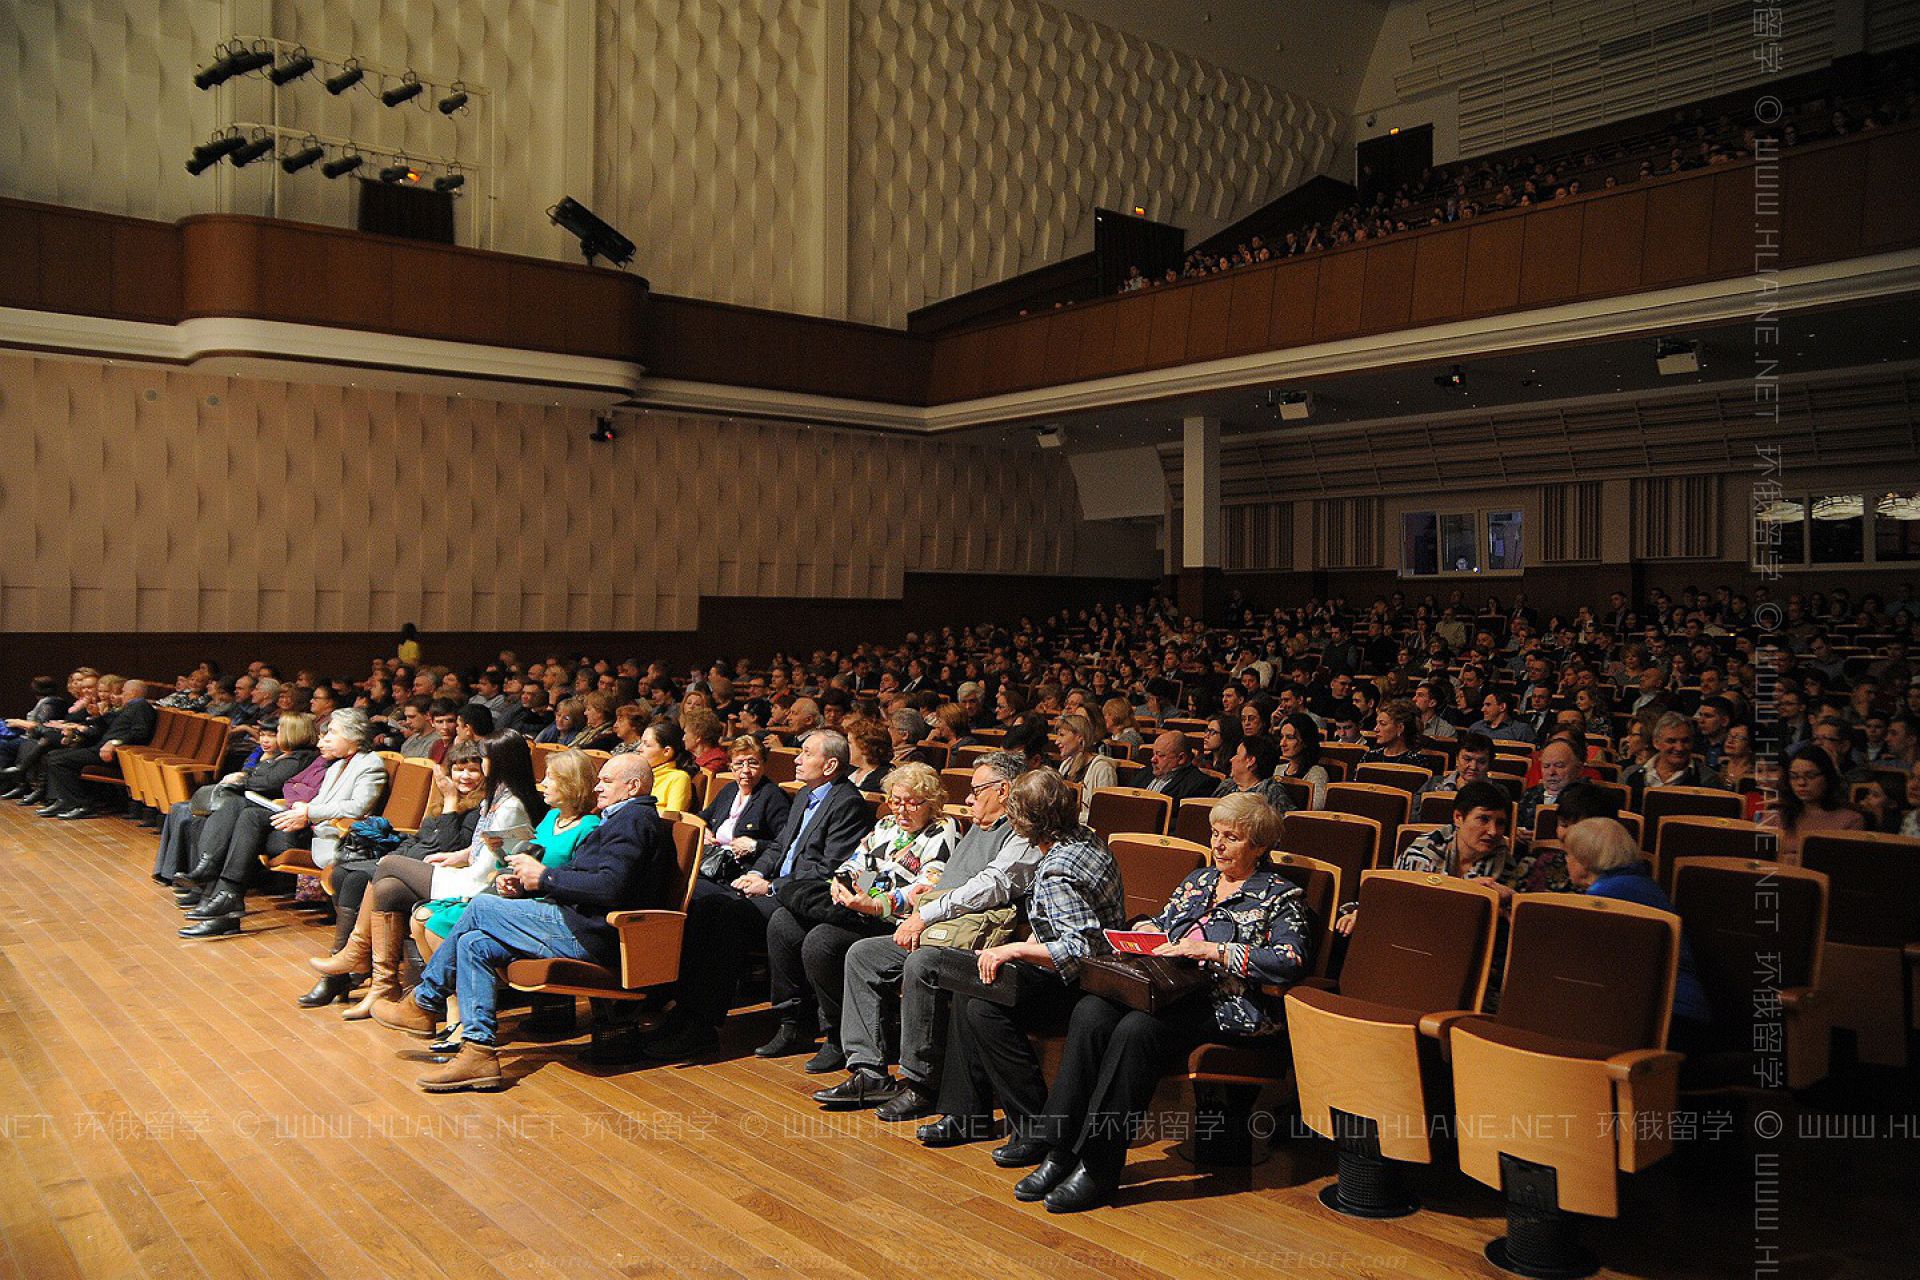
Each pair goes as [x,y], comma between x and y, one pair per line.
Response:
[664,747]
[409,652]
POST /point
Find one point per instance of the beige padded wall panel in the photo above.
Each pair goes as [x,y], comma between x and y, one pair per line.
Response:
[97,104]
[150,499]
[983,133]
[710,146]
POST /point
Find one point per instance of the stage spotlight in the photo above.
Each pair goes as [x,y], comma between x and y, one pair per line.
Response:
[345,164]
[213,151]
[408,88]
[309,154]
[454,100]
[603,432]
[249,60]
[597,239]
[350,74]
[399,173]
[1453,377]
[450,182]
[293,68]
[246,155]
[219,71]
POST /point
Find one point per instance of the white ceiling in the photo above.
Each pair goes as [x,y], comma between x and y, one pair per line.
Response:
[1318,50]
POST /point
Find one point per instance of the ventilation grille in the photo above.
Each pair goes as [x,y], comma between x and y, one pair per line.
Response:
[1570,522]
[1676,518]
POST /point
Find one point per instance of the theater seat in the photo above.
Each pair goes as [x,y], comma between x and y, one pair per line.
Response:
[1873,938]
[1740,952]
[1388,806]
[1692,836]
[1405,777]
[1570,1084]
[1346,840]
[1370,1077]
[1152,867]
[1657,803]
[1130,809]
[650,944]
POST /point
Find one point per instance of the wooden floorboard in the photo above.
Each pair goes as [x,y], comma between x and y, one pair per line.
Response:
[168,1111]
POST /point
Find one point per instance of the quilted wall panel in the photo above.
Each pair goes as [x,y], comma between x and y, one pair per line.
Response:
[149,499]
[709,150]
[983,133]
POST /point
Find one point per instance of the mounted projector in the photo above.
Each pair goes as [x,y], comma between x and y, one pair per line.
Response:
[1050,437]
[1291,406]
[1672,356]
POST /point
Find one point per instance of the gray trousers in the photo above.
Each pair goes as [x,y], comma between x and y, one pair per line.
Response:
[880,975]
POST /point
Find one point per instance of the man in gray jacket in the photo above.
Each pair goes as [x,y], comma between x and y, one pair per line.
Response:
[990,868]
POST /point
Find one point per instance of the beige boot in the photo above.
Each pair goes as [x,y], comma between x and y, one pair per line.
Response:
[476,1066]
[384,951]
[351,958]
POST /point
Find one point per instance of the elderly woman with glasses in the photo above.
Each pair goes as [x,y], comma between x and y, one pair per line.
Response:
[808,937]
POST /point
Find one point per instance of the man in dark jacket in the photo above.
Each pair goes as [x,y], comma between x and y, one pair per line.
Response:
[132,725]
[627,863]
[727,923]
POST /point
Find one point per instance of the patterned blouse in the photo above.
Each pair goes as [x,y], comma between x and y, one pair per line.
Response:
[898,859]
[1267,936]
[1433,852]
[1268,789]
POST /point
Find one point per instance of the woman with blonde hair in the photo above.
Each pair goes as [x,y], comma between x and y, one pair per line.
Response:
[1122,732]
[1080,761]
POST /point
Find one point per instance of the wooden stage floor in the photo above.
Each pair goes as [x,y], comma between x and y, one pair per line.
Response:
[169,1111]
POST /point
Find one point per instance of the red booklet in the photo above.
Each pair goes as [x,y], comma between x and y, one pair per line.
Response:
[1139,944]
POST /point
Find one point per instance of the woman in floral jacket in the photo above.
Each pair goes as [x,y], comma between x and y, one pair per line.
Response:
[1247,926]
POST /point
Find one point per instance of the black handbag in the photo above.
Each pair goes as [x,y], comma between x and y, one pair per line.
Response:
[1151,984]
[958,971]
[811,902]
[722,865]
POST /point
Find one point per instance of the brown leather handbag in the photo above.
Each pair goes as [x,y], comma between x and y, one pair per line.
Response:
[1151,984]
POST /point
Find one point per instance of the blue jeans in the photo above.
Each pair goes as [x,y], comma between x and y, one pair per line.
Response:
[492,931]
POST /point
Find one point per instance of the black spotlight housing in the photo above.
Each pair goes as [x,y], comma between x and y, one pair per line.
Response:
[220,70]
[597,239]
[309,154]
[450,182]
[350,74]
[213,151]
[395,172]
[603,432]
[454,100]
[408,89]
[296,65]
[251,60]
[252,151]
[344,165]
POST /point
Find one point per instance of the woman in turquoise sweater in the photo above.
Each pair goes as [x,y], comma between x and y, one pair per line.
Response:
[567,788]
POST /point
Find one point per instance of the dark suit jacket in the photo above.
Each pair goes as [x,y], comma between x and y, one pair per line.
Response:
[627,863]
[843,820]
[133,724]
[763,818]
[1187,782]
[269,776]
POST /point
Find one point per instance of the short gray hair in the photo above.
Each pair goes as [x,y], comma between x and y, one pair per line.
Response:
[267,685]
[970,687]
[1006,765]
[351,722]
[833,745]
[1601,844]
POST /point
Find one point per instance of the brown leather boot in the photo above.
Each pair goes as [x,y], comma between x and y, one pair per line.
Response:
[351,958]
[476,1066]
[384,954]
[402,1014]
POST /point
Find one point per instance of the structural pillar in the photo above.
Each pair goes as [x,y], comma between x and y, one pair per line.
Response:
[1202,592]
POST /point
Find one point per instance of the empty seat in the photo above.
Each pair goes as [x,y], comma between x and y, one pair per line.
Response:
[1349,754]
[1740,952]
[780,763]
[1388,806]
[1582,1033]
[1133,809]
[1346,840]
[1369,1076]
[1152,867]
[1406,777]
[1689,836]
[957,783]
[1669,802]
[1194,819]
[1873,938]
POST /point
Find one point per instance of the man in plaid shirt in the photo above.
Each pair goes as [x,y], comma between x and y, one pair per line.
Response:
[1076,897]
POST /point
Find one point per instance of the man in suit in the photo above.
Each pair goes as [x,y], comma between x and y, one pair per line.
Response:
[1174,773]
[131,725]
[727,922]
[351,789]
[627,863]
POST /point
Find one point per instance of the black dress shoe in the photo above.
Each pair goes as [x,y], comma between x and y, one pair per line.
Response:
[679,1044]
[864,1088]
[911,1103]
[74,814]
[954,1131]
[1079,1192]
[188,899]
[221,902]
[1018,1152]
[330,988]
[830,1058]
[53,810]
[216,927]
[786,1042]
[202,872]
[36,796]
[1053,1171]
[22,789]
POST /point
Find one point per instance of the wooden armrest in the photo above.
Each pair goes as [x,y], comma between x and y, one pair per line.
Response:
[1646,1092]
[1800,999]
[1434,1026]
[1641,1063]
[650,942]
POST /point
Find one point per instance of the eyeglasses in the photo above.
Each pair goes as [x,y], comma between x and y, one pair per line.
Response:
[978,787]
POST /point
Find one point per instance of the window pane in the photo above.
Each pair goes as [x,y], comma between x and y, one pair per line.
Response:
[1419,543]
[1896,527]
[1459,547]
[1503,540]
[1780,533]
[1838,529]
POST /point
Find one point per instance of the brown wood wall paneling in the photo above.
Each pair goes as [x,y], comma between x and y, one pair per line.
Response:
[1440,277]
[1336,312]
[1550,254]
[1613,242]
[1207,330]
[1248,313]
[1678,234]
[79,262]
[1170,312]
[702,341]
[1387,294]
[1822,195]
[1893,160]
